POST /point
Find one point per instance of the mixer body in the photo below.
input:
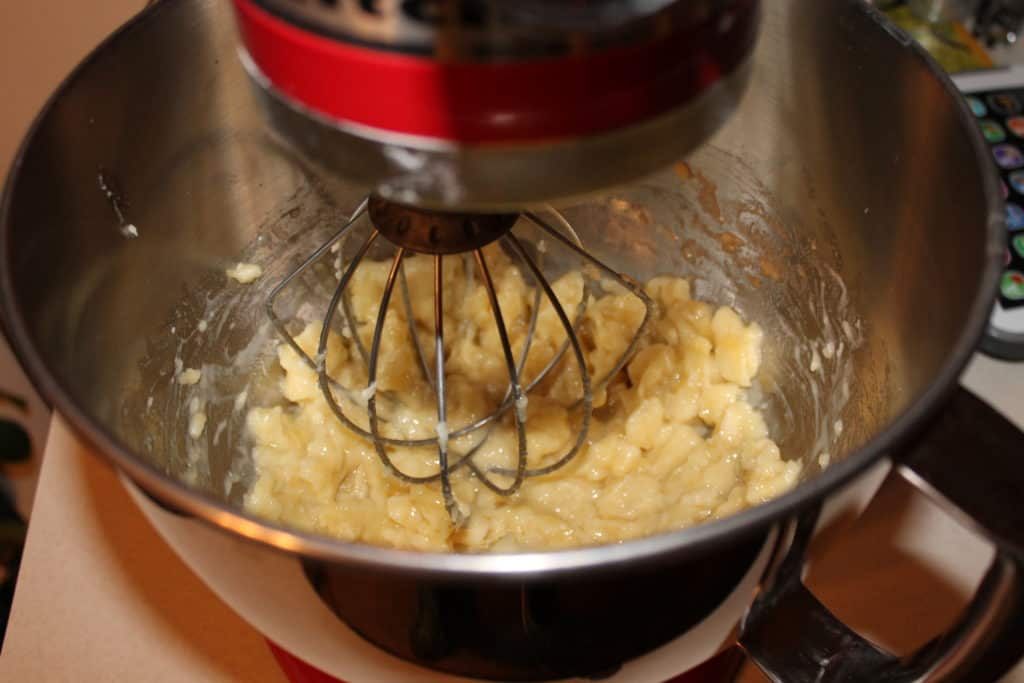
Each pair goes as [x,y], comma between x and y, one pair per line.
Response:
[482,105]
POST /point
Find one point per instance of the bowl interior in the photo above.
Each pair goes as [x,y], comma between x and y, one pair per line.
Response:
[841,208]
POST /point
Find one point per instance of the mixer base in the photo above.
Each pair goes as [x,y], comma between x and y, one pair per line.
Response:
[723,668]
[577,627]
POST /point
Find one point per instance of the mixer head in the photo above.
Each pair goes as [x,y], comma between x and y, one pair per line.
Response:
[489,105]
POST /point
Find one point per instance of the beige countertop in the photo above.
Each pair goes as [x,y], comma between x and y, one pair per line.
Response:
[102,598]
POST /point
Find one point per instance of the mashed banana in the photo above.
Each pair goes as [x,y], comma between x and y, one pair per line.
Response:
[672,442]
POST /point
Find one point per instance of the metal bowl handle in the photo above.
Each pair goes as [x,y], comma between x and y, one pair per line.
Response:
[971,462]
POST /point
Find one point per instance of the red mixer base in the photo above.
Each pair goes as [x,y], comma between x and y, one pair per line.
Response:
[722,668]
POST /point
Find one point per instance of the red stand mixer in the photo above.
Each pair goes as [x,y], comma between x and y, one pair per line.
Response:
[449,123]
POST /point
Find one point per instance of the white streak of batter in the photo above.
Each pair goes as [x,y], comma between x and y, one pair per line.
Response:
[815,360]
[521,404]
[244,272]
[197,418]
[442,435]
[190,376]
[220,430]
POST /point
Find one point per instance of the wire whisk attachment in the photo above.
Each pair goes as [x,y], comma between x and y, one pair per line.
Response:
[500,332]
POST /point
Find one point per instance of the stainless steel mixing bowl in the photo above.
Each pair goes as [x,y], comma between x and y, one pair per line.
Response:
[848,207]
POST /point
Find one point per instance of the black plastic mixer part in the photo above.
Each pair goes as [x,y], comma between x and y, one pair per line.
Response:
[437,232]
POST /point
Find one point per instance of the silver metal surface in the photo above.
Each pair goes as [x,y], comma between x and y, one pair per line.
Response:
[434,232]
[373,210]
[486,29]
[443,176]
[505,171]
[839,191]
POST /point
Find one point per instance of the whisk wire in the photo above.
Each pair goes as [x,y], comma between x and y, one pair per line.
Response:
[410,320]
[320,365]
[279,324]
[371,380]
[586,402]
[519,414]
[628,283]
[351,324]
[442,406]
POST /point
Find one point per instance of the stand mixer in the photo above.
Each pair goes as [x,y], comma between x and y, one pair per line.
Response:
[466,119]
[812,224]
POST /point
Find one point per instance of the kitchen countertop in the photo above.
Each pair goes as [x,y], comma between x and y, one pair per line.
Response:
[101,598]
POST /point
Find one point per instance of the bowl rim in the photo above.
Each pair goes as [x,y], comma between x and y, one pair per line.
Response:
[177,497]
